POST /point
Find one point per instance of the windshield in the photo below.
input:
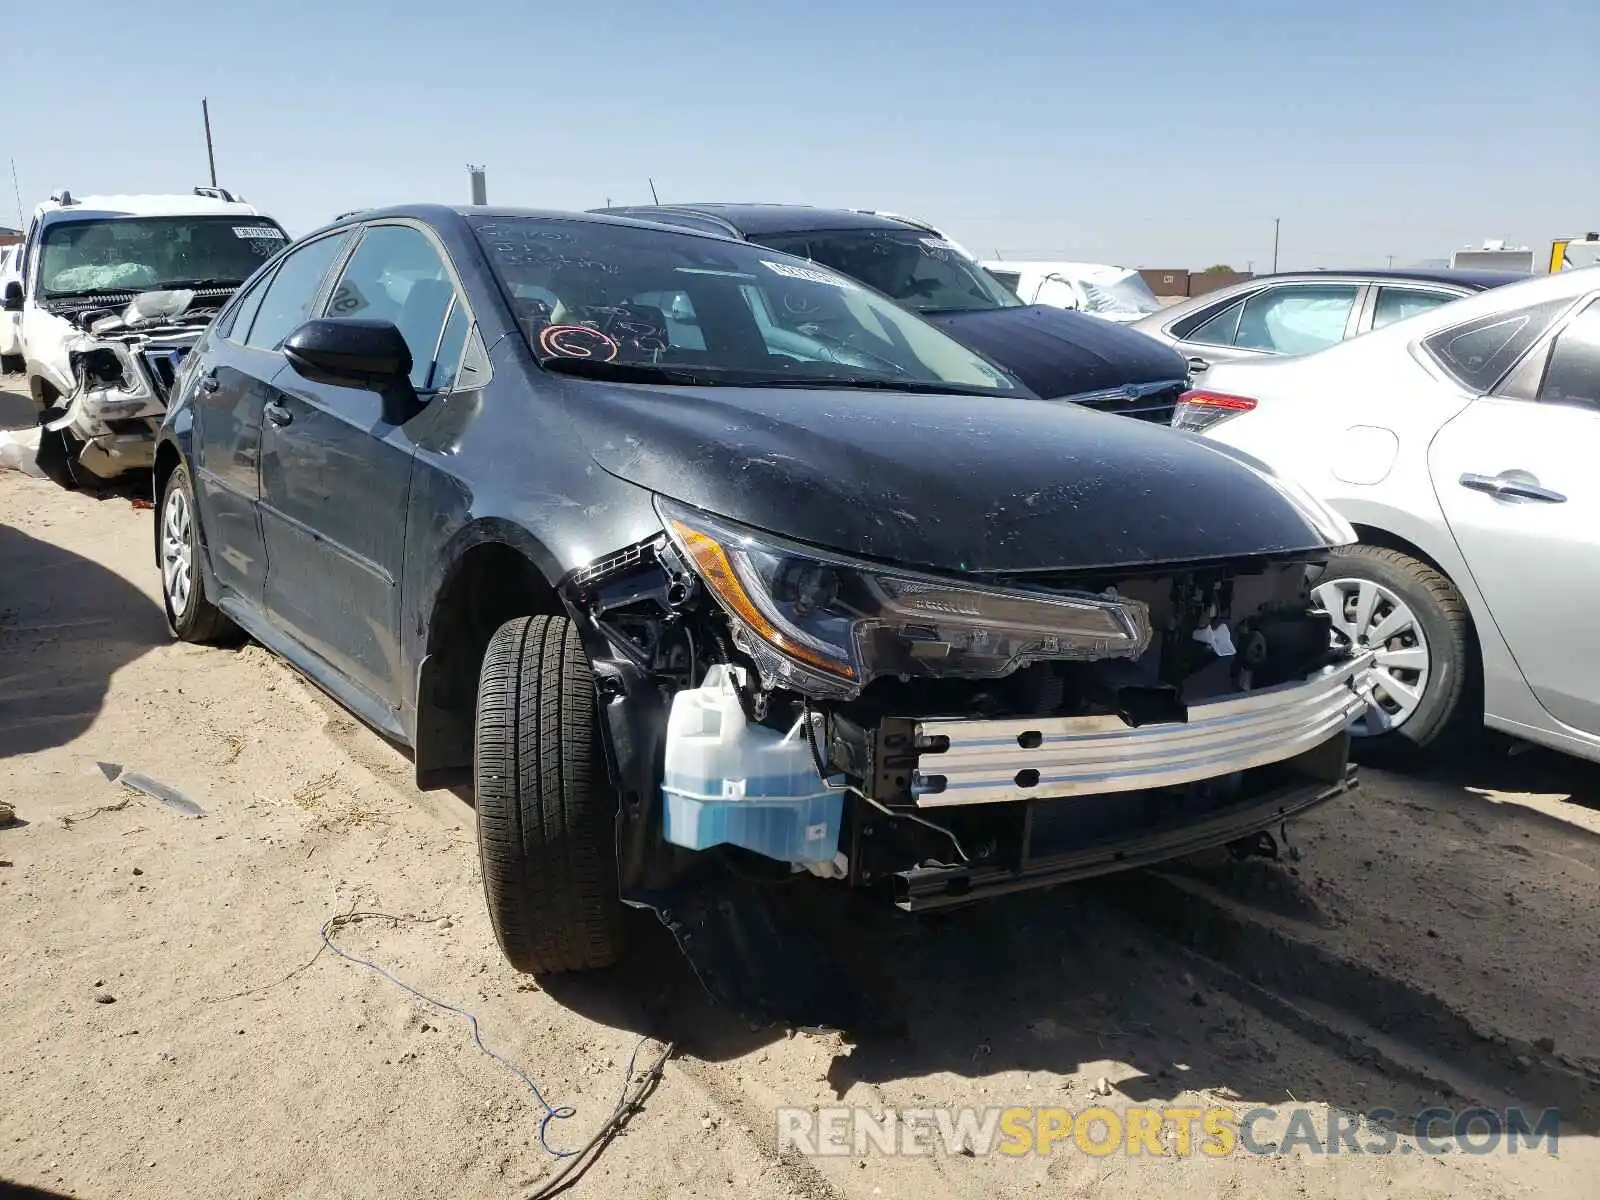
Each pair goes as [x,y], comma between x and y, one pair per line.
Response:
[145,253]
[619,298]
[925,273]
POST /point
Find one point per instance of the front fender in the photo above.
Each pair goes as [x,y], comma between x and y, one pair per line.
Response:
[45,338]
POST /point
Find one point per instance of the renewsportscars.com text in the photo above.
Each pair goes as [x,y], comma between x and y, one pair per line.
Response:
[1170,1130]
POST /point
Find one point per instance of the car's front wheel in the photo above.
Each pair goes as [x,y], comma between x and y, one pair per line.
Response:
[190,614]
[1425,677]
[546,809]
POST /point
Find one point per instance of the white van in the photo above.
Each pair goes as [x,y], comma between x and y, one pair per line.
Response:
[1115,293]
[111,294]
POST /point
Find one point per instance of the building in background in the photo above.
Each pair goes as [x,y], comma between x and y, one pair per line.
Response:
[1171,282]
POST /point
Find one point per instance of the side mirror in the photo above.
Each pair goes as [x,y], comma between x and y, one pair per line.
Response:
[13,297]
[357,354]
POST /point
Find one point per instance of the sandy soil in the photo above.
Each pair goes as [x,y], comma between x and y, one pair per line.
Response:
[169,1027]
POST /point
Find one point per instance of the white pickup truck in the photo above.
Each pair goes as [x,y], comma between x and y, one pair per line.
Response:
[111,293]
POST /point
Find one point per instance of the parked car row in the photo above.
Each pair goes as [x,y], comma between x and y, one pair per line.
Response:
[1460,445]
[729,541]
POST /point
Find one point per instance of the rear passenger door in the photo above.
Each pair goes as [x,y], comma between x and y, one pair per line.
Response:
[228,402]
[1287,318]
[336,478]
[1515,475]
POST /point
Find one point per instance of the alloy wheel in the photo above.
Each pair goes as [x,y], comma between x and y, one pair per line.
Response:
[1370,616]
[177,554]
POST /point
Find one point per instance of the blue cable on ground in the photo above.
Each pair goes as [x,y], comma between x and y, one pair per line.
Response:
[551,1112]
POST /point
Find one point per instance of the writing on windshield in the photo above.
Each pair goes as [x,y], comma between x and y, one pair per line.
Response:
[604,292]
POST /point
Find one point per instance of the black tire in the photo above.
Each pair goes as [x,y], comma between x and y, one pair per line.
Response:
[546,809]
[198,620]
[12,364]
[1451,709]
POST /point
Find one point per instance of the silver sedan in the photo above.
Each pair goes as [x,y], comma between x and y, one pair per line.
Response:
[1274,315]
[1462,446]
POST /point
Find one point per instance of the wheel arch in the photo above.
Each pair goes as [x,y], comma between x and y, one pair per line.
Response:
[496,573]
[167,460]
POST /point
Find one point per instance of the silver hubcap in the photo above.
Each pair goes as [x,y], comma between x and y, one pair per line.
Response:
[177,559]
[1369,615]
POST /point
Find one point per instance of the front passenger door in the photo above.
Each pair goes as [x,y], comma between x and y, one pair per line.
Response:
[336,478]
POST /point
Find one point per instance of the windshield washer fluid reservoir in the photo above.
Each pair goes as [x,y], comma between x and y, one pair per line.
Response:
[728,782]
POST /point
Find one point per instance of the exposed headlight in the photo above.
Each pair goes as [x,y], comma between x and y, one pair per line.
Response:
[830,625]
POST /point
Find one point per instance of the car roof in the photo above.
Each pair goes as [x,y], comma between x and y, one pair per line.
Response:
[755,219]
[1458,276]
[176,205]
[463,213]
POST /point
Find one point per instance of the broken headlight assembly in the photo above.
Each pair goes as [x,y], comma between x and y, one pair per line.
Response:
[827,625]
[109,373]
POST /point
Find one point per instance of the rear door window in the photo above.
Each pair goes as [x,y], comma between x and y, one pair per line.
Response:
[240,316]
[1396,304]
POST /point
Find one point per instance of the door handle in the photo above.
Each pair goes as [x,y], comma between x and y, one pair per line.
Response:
[208,383]
[1198,364]
[278,414]
[1511,489]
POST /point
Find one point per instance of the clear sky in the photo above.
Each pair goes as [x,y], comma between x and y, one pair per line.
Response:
[1144,132]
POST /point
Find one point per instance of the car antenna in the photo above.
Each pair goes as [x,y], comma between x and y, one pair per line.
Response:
[654,199]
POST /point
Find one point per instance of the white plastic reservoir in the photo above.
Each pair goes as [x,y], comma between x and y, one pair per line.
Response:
[729,782]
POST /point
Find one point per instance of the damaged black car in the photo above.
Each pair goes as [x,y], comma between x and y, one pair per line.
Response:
[688,555]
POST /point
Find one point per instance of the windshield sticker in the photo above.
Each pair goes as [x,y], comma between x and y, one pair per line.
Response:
[809,274]
[577,341]
[252,232]
[939,244]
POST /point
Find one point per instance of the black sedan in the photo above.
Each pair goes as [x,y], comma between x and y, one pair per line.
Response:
[1059,354]
[689,555]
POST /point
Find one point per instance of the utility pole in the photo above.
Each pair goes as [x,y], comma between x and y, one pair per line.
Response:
[16,188]
[211,157]
[1275,221]
[1391,260]
[654,199]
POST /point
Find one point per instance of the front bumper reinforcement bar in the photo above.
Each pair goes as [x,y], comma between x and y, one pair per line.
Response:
[979,762]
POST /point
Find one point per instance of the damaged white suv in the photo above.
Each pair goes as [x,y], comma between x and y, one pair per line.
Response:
[113,292]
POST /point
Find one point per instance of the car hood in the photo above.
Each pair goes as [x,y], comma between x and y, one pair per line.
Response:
[953,483]
[1057,352]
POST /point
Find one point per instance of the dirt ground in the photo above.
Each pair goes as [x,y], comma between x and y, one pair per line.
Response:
[170,1024]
